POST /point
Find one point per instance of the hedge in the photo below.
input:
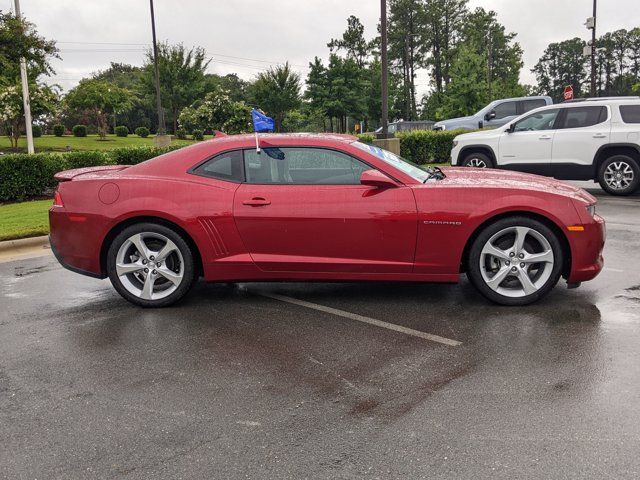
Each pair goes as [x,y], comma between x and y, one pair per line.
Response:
[24,176]
[121,131]
[142,132]
[79,130]
[423,146]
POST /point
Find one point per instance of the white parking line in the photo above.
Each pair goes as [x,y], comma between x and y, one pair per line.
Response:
[361,318]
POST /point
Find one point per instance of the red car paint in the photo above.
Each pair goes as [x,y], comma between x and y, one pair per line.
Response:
[411,232]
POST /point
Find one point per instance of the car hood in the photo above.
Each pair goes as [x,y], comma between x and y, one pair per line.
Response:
[504,179]
[479,135]
[453,121]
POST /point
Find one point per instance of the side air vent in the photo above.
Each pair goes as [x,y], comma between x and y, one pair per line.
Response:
[217,244]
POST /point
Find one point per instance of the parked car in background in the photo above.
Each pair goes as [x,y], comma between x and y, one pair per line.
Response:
[496,114]
[403,126]
[591,139]
[321,208]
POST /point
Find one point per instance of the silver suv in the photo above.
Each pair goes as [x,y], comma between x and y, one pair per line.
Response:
[496,114]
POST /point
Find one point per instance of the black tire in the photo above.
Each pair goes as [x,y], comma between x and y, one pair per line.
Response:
[620,163]
[185,265]
[475,274]
[477,160]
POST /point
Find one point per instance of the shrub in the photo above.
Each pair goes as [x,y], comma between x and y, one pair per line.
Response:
[135,155]
[37,130]
[86,159]
[425,146]
[121,131]
[79,131]
[198,135]
[142,132]
[367,138]
[58,130]
[23,176]
[181,134]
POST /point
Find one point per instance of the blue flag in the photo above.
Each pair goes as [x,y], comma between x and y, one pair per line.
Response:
[262,123]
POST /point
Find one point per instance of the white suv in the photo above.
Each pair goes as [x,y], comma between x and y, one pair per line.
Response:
[594,139]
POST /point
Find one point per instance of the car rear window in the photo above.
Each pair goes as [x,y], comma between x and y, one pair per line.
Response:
[531,104]
[225,166]
[579,117]
[630,113]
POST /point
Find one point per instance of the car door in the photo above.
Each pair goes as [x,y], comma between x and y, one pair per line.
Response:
[304,209]
[581,132]
[501,114]
[527,145]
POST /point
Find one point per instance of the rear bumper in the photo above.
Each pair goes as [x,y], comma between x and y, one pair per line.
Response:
[76,241]
[586,259]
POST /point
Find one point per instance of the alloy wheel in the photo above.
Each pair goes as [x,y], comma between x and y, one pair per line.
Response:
[477,163]
[618,175]
[516,261]
[149,265]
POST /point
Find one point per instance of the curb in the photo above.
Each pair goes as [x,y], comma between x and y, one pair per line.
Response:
[9,246]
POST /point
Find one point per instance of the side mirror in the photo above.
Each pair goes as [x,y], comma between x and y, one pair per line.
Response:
[511,128]
[490,116]
[374,178]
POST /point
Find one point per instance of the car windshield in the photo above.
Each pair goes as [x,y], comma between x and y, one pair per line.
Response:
[410,168]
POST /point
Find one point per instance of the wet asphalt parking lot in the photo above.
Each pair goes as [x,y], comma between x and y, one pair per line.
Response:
[267,381]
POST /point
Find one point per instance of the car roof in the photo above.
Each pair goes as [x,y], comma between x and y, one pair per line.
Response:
[288,139]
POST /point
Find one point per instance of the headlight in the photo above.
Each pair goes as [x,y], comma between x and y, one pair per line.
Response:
[455,143]
[591,209]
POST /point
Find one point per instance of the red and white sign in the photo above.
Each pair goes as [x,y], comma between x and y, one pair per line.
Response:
[568,92]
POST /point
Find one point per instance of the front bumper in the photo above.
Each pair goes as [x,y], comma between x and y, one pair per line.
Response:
[586,251]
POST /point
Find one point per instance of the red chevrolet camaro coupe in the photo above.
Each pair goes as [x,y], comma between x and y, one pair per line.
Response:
[321,208]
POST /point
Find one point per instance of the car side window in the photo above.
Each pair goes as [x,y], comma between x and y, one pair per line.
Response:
[505,109]
[225,166]
[543,120]
[302,166]
[630,113]
[528,105]
[580,117]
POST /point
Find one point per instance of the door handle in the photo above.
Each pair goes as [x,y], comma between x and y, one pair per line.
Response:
[545,137]
[257,202]
[599,135]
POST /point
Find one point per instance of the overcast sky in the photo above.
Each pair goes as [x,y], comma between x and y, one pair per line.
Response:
[245,36]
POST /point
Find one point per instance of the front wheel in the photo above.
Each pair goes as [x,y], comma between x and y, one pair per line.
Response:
[515,261]
[619,175]
[150,265]
[477,160]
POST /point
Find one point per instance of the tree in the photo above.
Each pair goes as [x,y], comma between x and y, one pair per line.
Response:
[182,77]
[43,100]
[561,64]
[468,88]
[277,91]
[217,111]
[443,25]
[353,42]
[19,38]
[98,98]
[406,50]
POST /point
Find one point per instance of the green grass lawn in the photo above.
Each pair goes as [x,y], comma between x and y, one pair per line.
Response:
[90,142]
[25,219]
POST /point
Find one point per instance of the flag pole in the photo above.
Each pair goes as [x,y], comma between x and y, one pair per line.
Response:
[257,144]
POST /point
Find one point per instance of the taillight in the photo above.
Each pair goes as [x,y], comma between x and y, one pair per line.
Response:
[57,200]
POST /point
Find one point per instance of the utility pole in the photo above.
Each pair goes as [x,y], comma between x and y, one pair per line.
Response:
[593,52]
[385,69]
[161,124]
[25,92]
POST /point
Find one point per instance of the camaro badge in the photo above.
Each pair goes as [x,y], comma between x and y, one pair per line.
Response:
[442,222]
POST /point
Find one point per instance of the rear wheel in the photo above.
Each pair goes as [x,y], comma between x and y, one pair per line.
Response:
[150,265]
[619,175]
[477,160]
[515,261]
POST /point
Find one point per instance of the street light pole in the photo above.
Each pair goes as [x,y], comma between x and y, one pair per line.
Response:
[593,52]
[161,124]
[25,92]
[385,69]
